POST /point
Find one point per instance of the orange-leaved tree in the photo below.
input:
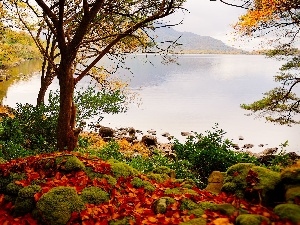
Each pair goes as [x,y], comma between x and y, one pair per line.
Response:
[279,22]
[74,36]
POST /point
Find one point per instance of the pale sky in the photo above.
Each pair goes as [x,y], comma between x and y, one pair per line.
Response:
[210,18]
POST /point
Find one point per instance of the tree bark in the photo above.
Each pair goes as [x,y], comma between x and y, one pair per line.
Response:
[66,135]
[42,92]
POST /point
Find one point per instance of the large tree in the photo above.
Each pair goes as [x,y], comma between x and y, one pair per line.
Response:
[74,35]
[279,22]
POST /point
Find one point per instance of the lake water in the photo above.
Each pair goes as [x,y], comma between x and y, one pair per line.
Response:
[192,96]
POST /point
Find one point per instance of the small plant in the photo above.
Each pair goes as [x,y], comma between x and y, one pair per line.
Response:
[208,152]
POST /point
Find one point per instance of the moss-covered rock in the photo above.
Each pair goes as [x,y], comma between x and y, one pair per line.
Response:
[207,205]
[74,164]
[225,208]
[236,182]
[292,194]
[164,170]
[13,188]
[179,191]
[187,204]
[197,212]
[161,204]
[188,183]
[23,206]
[124,221]
[250,219]
[29,191]
[92,174]
[4,181]
[120,169]
[137,182]
[159,178]
[110,179]
[215,182]
[197,221]
[291,175]
[2,161]
[57,205]
[94,195]
[288,211]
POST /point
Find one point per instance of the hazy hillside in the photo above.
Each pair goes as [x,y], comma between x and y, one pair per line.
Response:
[193,43]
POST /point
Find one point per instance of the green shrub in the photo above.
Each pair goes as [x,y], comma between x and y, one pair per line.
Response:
[209,152]
[33,128]
[110,151]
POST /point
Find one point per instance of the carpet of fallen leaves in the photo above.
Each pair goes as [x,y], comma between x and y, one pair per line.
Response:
[125,200]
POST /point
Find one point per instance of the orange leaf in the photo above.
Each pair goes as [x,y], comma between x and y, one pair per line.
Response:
[152,219]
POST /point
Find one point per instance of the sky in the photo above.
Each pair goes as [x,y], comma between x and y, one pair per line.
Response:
[210,18]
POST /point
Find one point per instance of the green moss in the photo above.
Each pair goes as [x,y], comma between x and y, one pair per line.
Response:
[291,175]
[10,198]
[178,191]
[110,179]
[13,188]
[94,195]
[23,206]
[38,182]
[292,193]
[197,212]
[227,209]
[161,204]
[92,174]
[162,170]
[197,221]
[74,164]
[120,169]
[235,180]
[216,177]
[57,205]
[159,178]
[17,176]
[188,204]
[187,183]
[137,182]
[207,205]
[250,219]
[288,211]
[29,191]
[4,181]
[124,221]
[2,161]
[268,179]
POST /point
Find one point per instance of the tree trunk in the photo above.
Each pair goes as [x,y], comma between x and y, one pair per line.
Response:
[66,137]
[42,92]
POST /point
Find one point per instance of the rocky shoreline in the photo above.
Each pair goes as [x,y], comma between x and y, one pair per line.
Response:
[150,139]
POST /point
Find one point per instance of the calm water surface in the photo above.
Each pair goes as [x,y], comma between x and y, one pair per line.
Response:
[192,96]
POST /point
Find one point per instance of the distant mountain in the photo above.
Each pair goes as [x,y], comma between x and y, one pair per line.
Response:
[193,43]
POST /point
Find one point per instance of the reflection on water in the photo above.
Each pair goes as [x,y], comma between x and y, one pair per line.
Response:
[23,72]
[192,96]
